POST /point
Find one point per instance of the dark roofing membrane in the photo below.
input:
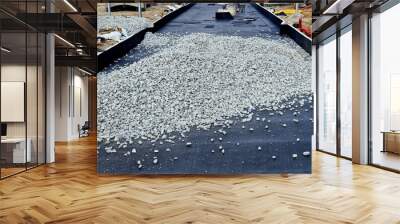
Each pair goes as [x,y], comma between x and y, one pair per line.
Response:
[244,158]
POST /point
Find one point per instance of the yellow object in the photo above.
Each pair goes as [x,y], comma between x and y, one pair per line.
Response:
[288,11]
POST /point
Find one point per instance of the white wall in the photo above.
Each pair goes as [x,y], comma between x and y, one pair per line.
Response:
[70,83]
[12,73]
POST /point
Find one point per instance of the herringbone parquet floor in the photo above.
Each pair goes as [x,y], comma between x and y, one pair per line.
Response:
[70,191]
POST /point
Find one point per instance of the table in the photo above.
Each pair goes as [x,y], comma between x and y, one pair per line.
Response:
[391,141]
[18,149]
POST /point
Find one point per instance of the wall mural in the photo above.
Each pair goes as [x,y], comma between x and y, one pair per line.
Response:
[217,89]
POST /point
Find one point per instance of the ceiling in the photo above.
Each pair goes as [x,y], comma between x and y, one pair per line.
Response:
[74,22]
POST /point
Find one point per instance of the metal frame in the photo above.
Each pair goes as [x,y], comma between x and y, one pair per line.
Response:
[338,98]
[44,76]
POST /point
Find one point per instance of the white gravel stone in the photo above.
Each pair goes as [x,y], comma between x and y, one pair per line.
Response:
[132,24]
[198,79]
[109,150]
[306,153]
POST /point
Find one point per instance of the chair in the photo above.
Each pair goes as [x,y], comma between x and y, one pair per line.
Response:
[84,130]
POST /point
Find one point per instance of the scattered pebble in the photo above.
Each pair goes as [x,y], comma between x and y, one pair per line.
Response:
[306,153]
[109,149]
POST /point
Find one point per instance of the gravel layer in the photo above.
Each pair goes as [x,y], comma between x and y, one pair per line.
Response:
[132,24]
[197,80]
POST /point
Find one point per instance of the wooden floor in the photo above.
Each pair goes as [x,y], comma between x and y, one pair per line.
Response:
[70,191]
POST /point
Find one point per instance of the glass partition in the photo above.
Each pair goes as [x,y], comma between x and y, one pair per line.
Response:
[14,145]
[22,88]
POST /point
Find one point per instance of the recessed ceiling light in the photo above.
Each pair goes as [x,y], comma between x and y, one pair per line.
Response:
[86,72]
[5,50]
[64,40]
[70,5]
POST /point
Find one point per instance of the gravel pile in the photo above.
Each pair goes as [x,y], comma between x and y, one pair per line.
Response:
[132,24]
[198,80]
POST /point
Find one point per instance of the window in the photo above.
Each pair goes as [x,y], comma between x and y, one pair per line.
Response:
[327,96]
[346,92]
[385,89]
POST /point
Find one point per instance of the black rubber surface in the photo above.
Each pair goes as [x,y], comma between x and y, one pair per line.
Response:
[201,19]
